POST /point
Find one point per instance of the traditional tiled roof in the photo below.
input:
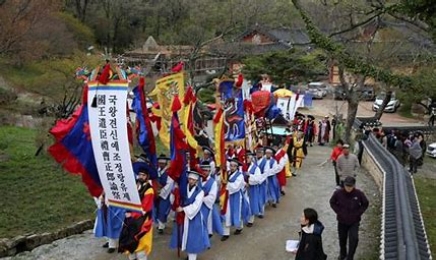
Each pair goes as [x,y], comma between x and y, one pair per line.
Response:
[241,49]
[282,34]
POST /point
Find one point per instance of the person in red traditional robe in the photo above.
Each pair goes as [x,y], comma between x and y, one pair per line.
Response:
[240,153]
[136,238]
[282,161]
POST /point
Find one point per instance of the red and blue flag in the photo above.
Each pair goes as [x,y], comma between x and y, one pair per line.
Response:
[73,148]
[144,130]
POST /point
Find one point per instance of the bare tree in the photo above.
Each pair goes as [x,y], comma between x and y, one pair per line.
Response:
[79,8]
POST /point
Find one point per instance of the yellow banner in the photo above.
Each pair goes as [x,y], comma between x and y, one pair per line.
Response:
[187,119]
[165,90]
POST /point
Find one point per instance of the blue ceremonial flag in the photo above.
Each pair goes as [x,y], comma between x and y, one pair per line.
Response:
[73,148]
[233,101]
[144,131]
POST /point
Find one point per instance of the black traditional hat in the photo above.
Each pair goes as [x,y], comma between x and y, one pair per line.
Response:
[259,149]
[163,158]
[235,161]
[311,117]
[269,148]
[205,165]
[250,153]
[207,149]
[142,158]
[144,168]
[194,175]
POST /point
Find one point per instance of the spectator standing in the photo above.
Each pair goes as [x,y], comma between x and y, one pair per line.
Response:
[392,140]
[349,204]
[336,152]
[346,164]
[415,152]
[384,139]
[399,149]
[310,246]
[423,145]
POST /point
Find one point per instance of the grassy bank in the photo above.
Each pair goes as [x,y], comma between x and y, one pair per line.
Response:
[425,188]
[36,194]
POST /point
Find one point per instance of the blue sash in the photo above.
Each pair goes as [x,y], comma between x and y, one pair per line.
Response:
[190,200]
[253,169]
[234,176]
[263,163]
[163,178]
[208,186]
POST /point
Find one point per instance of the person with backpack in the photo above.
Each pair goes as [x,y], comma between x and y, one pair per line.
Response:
[310,246]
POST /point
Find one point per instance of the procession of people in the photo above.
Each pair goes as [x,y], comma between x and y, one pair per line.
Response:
[256,180]
[251,187]
[200,189]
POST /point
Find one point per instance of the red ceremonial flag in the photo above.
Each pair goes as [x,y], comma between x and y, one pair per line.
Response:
[73,148]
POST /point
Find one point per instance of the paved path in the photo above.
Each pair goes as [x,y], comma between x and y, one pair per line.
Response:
[265,240]
[328,107]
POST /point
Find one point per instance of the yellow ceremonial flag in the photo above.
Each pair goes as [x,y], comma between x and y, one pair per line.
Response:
[188,118]
[165,90]
[219,138]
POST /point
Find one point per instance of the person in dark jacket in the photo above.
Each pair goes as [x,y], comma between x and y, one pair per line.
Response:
[310,246]
[349,204]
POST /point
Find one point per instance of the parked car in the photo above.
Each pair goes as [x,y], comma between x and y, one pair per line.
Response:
[431,150]
[366,93]
[318,90]
[323,87]
[391,107]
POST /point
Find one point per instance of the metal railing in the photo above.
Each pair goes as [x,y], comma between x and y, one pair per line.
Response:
[403,235]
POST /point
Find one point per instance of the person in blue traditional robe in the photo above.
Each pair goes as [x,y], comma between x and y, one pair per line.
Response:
[256,191]
[263,189]
[210,206]
[109,223]
[194,235]
[268,166]
[164,187]
[208,156]
[238,207]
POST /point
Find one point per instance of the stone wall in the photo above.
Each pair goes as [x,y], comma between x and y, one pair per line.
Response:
[370,163]
[13,246]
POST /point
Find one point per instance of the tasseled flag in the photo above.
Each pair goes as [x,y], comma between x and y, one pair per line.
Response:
[239,81]
[144,130]
[188,123]
[220,157]
[178,67]
[248,106]
[73,148]
[103,78]
[155,116]
[178,148]
[176,105]
[105,74]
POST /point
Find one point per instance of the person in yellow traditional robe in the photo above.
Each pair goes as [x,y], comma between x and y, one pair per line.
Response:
[298,150]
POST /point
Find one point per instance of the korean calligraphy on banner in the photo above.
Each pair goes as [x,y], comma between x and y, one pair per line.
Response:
[165,90]
[108,127]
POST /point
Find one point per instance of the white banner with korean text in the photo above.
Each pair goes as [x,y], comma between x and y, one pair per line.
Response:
[108,127]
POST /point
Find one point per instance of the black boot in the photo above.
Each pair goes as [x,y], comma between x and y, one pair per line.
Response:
[224,238]
[238,231]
